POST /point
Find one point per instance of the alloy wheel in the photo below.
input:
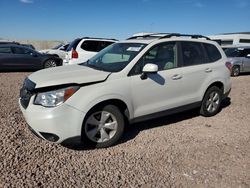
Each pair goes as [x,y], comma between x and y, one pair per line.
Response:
[213,101]
[50,63]
[101,126]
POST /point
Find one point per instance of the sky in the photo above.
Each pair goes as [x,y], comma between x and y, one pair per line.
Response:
[69,19]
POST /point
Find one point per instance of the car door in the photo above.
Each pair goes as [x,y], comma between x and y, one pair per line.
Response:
[26,58]
[246,60]
[159,91]
[6,57]
[195,70]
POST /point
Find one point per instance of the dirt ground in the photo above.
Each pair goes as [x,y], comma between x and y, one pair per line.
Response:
[183,150]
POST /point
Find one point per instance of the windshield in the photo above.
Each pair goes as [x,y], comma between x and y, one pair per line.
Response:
[232,52]
[115,57]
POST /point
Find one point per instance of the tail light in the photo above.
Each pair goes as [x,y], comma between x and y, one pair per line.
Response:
[229,66]
[74,54]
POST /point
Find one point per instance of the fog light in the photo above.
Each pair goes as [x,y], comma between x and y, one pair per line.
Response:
[50,137]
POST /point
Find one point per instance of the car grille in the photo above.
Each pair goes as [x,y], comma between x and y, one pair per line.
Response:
[26,92]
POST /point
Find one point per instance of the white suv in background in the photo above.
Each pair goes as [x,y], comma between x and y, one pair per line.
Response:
[137,79]
[82,49]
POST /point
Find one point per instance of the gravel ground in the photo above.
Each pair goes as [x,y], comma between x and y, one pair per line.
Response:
[184,150]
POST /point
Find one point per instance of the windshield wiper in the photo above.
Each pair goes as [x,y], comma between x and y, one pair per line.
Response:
[94,66]
[85,63]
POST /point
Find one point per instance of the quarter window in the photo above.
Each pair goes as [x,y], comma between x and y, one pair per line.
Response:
[212,52]
[192,53]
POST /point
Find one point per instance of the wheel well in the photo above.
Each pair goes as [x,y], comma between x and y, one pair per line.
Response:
[217,84]
[116,102]
[55,55]
[236,66]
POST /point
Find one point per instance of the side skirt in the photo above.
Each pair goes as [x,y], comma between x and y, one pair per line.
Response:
[166,112]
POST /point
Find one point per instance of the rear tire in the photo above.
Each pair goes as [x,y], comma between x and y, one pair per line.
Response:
[49,63]
[211,102]
[103,126]
[235,71]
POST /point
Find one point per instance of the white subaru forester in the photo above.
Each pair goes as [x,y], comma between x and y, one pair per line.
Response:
[140,78]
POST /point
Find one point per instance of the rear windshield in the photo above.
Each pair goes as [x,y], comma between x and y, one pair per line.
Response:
[233,52]
[73,44]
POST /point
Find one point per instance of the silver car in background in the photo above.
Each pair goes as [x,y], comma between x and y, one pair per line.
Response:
[239,57]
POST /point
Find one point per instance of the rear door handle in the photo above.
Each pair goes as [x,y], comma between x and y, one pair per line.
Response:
[208,70]
[176,77]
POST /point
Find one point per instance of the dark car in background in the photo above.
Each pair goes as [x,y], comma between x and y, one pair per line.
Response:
[18,57]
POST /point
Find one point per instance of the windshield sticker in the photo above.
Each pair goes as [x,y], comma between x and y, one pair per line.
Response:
[134,49]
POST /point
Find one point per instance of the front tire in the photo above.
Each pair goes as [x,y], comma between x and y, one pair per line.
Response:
[50,63]
[103,126]
[211,102]
[235,71]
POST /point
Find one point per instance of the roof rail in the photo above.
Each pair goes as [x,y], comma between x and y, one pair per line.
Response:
[147,35]
[184,35]
[98,38]
[168,35]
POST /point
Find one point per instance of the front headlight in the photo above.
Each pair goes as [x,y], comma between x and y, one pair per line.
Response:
[55,97]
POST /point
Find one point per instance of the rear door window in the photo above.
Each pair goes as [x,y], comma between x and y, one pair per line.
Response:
[17,50]
[192,53]
[212,52]
[5,50]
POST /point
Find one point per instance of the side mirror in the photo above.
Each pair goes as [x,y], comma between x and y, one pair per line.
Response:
[148,68]
[33,54]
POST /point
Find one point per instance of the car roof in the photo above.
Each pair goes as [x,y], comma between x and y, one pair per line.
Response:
[148,38]
[96,38]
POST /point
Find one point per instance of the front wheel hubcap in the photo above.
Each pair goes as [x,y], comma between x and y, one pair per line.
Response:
[50,63]
[101,126]
[212,103]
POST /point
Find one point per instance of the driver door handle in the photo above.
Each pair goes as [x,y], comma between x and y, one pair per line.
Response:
[176,77]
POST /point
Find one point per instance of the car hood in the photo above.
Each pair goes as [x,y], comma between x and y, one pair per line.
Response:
[71,74]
